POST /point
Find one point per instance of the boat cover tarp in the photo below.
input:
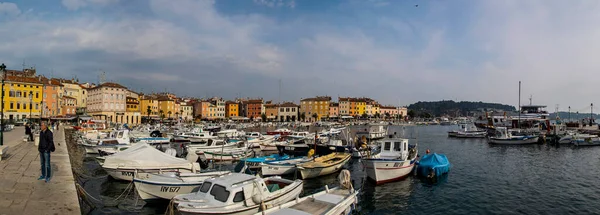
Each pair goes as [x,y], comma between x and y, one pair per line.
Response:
[144,156]
[438,162]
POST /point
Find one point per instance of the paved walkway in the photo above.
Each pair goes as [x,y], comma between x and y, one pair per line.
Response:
[22,193]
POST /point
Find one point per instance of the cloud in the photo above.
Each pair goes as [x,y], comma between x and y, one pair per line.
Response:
[78,4]
[10,9]
[276,3]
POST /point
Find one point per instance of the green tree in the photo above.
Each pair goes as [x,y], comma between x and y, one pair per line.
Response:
[364,115]
[169,113]
[263,117]
[411,113]
[149,110]
[302,116]
[162,115]
[377,115]
[387,115]
[314,116]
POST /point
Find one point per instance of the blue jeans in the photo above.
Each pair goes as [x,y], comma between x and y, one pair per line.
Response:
[45,163]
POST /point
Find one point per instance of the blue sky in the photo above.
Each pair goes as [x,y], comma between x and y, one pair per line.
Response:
[389,50]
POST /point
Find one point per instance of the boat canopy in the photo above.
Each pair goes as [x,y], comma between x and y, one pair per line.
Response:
[144,156]
[438,162]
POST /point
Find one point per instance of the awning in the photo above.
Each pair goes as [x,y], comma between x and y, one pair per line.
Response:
[85,118]
[347,117]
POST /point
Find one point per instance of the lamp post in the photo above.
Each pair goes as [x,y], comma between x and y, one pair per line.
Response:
[3,70]
[30,104]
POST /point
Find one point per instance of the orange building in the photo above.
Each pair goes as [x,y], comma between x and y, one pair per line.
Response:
[231,109]
[271,111]
[318,106]
[53,92]
[69,106]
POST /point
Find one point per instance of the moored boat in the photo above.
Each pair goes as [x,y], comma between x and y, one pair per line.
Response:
[336,201]
[433,165]
[323,165]
[505,137]
[282,167]
[394,161]
[151,186]
[234,154]
[239,194]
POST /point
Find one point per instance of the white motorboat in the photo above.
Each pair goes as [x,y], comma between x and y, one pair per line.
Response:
[201,136]
[232,154]
[146,158]
[505,137]
[166,186]
[468,131]
[300,135]
[334,201]
[120,137]
[238,194]
[230,133]
[394,161]
[323,165]
[373,132]
[211,145]
[571,138]
[282,167]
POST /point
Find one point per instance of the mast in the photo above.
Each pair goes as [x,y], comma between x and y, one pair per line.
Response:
[519,120]
[569,113]
[591,113]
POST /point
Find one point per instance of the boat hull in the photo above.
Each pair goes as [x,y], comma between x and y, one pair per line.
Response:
[314,172]
[383,171]
[526,141]
[157,191]
[217,156]
[268,169]
[129,174]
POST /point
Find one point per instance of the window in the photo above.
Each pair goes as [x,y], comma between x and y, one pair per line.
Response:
[387,146]
[397,146]
[239,196]
[37,95]
[205,187]
[12,105]
[18,106]
[220,193]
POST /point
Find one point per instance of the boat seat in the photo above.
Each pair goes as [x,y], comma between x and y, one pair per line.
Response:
[330,198]
[273,187]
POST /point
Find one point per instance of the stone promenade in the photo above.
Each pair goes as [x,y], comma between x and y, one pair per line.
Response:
[22,193]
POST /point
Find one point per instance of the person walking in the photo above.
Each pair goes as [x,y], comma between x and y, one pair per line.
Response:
[45,147]
[28,132]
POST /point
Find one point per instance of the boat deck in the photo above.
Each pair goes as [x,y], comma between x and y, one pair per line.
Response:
[315,206]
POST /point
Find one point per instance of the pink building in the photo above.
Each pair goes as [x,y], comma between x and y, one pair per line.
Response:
[107,102]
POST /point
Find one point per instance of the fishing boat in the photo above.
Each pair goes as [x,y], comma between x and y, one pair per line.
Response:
[152,186]
[433,165]
[572,138]
[587,141]
[282,167]
[336,201]
[234,154]
[505,137]
[254,163]
[238,194]
[296,148]
[395,160]
[280,131]
[143,157]
[299,135]
[468,131]
[323,165]
[152,140]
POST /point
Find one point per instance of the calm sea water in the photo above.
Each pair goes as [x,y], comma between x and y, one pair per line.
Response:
[484,179]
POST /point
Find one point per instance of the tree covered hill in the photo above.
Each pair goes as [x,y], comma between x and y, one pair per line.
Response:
[452,108]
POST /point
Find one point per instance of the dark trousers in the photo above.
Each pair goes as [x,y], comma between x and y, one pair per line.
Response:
[45,164]
[31,136]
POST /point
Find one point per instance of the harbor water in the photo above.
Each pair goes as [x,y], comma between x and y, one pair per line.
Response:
[484,179]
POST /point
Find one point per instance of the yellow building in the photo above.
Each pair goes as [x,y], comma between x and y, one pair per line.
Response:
[17,102]
[231,109]
[361,107]
[149,101]
[318,106]
[167,106]
[375,110]
[132,111]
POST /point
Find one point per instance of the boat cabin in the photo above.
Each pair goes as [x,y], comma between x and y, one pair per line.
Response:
[254,135]
[394,148]
[116,137]
[236,188]
[535,111]
[300,134]
[228,133]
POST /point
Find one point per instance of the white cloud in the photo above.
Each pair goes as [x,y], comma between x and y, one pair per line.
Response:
[276,3]
[8,8]
[78,4]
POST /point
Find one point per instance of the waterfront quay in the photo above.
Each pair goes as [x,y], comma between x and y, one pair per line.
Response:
[21,192]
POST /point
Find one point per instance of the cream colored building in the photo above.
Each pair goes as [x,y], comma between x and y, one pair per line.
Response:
[107,102]
[186,111]
[75,90]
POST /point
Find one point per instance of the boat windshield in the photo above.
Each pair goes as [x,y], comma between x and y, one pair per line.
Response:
[220,193]
[397,146]
[205,187]
[387,146]
[239,196]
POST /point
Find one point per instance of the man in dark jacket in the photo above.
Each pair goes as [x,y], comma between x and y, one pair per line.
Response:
[28,132]
[45,146]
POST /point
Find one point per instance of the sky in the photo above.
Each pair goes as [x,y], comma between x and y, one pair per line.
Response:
[395,51]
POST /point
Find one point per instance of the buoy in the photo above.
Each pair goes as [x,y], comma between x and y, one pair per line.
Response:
[427,151]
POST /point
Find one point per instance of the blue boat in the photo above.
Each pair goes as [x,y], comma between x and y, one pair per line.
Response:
[254,163]
[433,165]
